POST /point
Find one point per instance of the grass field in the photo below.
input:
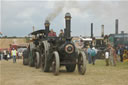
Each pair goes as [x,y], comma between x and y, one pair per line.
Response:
[18,74]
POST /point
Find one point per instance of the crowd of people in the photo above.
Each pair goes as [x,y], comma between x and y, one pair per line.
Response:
[112,55]
[8,55]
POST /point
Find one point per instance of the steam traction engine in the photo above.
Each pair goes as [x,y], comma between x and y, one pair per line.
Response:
[32,55]
[61,51]
[55,52]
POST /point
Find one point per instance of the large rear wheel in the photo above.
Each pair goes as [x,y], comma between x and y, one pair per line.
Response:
[82,63]
[45,65]
[37,60]
[55,63]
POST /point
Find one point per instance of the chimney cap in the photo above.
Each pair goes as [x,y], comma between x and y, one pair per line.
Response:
[47,22]
[67,14]
[122,32]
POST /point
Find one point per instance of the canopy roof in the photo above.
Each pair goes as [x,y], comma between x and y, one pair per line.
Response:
[38,31]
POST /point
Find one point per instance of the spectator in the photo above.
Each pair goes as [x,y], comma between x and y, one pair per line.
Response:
[20,55]
[118,54]
[126,47]
[107,58]
[95,50]
[8,56]
[5,55]
[1,55]
[114,55]
[125,55]
[89,55]
[112,60]
[52,33]
[93,55]
[121,54]
[14,54]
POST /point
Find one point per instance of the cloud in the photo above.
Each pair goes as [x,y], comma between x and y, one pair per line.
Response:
[18,17]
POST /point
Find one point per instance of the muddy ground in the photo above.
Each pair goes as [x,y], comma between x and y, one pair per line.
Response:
[18,74]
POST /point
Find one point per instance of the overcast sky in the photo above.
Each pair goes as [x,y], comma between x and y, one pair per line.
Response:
[18,16]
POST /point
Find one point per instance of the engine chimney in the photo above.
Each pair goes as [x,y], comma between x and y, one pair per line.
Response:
[122,32]
[68,25]
[91,30]
[33,28]
[102,30]
[47,24]
[116,26]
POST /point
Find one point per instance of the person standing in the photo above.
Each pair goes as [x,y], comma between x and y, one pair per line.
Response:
[89,55]
[107,58]
[93,55]
[5,55]
[121,54]
[14,54]
[112,60]
[118,54]
[20,55]
[2,55]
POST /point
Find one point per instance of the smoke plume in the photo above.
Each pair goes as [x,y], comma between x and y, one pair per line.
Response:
[109,10]
[59,6]
[56,11]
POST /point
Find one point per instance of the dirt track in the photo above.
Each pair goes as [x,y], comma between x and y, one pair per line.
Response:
[17,74]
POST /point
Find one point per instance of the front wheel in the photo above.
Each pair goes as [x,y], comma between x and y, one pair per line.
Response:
[31,58]
[25,57]
[82,63]
[25,61]
[55,63]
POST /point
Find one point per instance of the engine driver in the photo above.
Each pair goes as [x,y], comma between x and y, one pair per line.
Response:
[52,33]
